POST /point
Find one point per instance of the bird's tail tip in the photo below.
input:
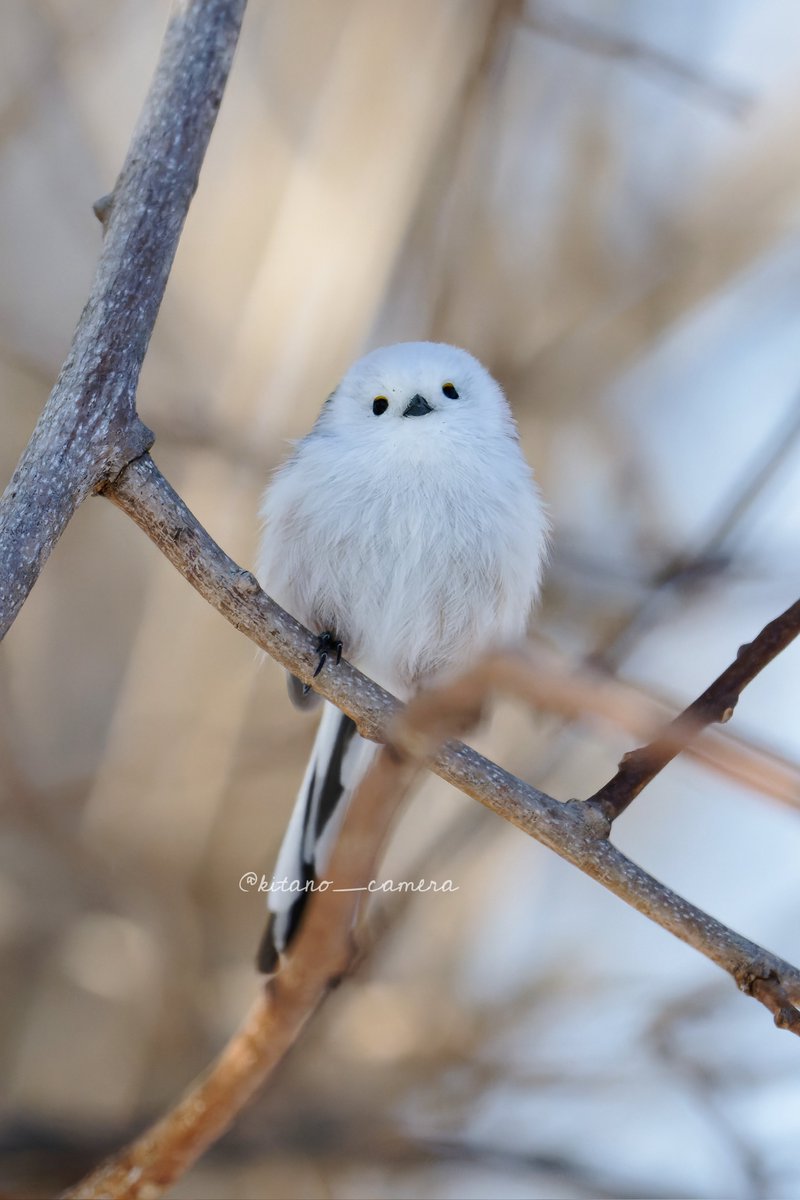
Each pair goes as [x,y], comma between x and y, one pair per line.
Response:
[268,956]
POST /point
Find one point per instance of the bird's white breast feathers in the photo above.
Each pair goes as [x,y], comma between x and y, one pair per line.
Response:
[419,550]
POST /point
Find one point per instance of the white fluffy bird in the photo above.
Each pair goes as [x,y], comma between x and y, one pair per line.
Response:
[406,530]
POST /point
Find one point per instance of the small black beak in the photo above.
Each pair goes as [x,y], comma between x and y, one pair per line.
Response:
[418,407]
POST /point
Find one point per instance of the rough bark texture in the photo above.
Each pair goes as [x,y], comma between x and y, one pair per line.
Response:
[89,428]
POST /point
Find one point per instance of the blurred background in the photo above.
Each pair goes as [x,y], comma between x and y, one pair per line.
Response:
[601,199]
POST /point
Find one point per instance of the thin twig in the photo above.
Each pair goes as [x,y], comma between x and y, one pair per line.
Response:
[715,704]
[540,677]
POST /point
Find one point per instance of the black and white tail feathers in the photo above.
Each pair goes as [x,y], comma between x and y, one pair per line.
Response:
[339,760]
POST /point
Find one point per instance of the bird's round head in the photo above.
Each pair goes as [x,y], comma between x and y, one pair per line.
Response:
[414,389]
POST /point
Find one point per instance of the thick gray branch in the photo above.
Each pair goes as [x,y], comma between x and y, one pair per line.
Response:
[89,428]
[575,831]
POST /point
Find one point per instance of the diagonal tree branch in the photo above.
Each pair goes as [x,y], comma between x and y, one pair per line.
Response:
[716,704]
[576,831]
[324,950]
[89,428]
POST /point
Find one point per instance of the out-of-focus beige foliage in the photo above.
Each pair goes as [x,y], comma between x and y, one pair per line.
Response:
[622,253]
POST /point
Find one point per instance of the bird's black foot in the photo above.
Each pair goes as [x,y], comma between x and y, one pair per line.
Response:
[327,643]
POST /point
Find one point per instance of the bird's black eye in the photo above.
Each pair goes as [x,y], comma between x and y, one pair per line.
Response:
[379,405]
[449,391]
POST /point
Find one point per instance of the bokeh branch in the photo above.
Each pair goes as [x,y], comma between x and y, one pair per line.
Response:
[588,35]
[323,953]
[89,428]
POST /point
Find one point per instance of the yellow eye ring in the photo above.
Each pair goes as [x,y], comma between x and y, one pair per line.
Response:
[449,390]
[379,405]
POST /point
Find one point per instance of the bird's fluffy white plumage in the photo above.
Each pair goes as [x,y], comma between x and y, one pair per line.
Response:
[417,539]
